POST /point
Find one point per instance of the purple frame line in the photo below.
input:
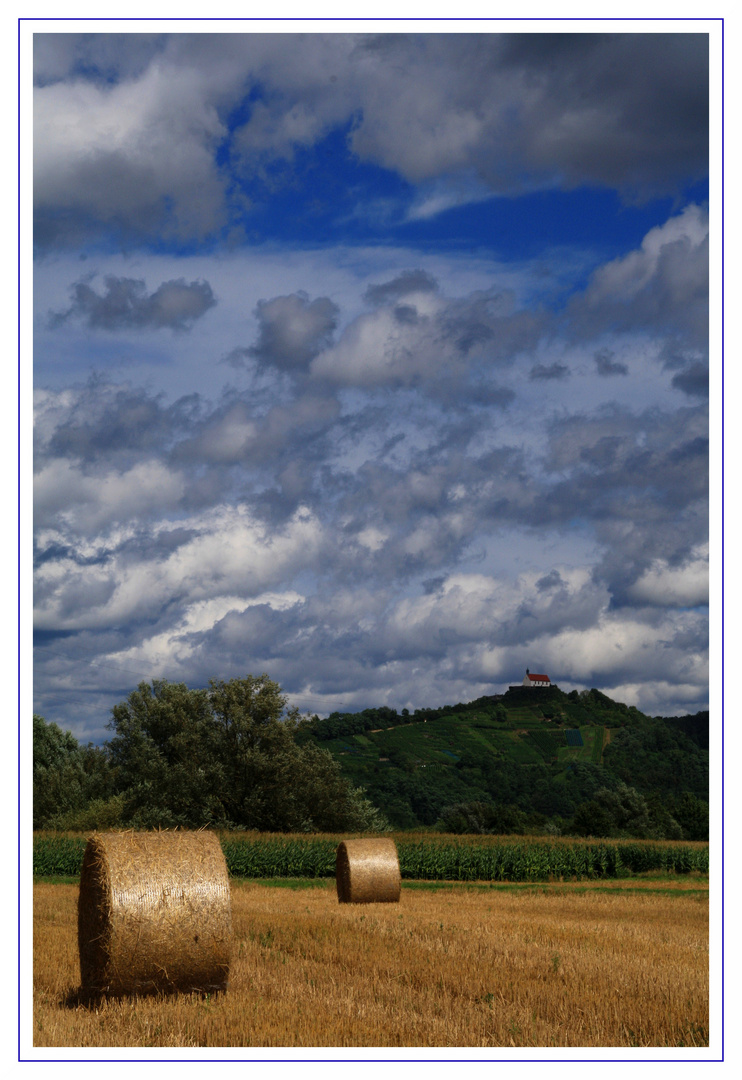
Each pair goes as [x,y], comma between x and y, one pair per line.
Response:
[391,18]
[722,542]
[18,540]
[238,1061]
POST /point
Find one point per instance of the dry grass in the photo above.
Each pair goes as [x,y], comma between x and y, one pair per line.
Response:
[551,966]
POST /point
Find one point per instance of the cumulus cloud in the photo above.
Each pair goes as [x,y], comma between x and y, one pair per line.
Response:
[135,136]
[293,330]
[234,432]
[371,512]
[545,372]
[662,287]
[137,155]
[109,420]
[178,648]
[126,305]
[607,365]
[392,346]
[95,499]
[686,585]
[693,380]
[407,283]
[103,58]
[642,481]
[223,553]
[415,336]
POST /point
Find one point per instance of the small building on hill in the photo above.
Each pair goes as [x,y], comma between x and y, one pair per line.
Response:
[536,680]
[533,682]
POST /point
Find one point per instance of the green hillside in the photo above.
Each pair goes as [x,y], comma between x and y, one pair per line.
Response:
[529,759]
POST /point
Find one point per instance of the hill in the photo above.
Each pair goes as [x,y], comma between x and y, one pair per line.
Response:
[527,759]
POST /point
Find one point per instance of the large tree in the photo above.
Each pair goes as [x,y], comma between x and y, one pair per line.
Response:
[228,756]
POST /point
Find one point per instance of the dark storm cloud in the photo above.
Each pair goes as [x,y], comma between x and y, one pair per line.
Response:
[545,372]
[627,110]
[642,482]
[549,581]
[102,58]
[693,380]
[607,366]
[409,281]
[102,420]
[126,305]
[293,330]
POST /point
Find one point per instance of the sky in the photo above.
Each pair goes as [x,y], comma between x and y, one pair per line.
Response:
[377,362]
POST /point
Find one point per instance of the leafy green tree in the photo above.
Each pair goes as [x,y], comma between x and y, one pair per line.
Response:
[66,776]
[623,811]
[163,754]
[482,817]
[592,819]
[228,756]
[692,815]
[58,773]
[653,756]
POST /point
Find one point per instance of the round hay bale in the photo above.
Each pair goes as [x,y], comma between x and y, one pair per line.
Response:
[154,913]
[367,872]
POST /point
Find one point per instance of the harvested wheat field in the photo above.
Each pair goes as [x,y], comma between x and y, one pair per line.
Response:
[605,965]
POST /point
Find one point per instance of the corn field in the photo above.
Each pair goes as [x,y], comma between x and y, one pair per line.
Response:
[478,858]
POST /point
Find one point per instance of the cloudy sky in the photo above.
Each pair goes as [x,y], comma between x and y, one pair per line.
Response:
[377,362]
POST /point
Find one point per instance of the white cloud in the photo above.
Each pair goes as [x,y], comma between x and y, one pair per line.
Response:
[85,501]
[377,349]
[659,289]
[621,280]
[174,652]
[674,586]
[118,152]
[373,539]
[230,553]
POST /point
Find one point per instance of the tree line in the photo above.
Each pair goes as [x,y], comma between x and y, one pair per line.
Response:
[233,756]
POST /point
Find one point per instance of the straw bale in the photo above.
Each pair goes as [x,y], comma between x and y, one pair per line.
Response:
[154,913]
[367,872]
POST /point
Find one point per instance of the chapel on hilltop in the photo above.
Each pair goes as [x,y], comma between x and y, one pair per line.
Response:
[535,680]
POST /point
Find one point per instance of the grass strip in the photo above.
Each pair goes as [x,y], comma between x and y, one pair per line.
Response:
[287,883]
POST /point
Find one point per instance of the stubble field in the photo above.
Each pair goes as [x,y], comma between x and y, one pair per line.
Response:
[609,964]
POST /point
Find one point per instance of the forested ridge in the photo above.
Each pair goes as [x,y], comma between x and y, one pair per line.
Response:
[234,756]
